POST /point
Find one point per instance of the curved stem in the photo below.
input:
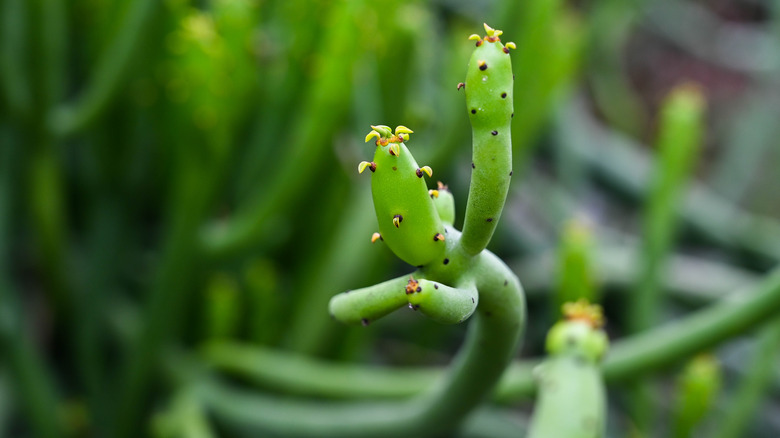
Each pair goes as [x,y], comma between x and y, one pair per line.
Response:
[370,303]
[307,376]
[665,345]
[630,357]
[490,344]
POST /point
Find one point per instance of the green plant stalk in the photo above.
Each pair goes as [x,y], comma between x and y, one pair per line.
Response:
[572,399]
[678,143]
[222,303]
[191,187]
[105,81]
[14,75]
[261,282]
[47,210]
[407,218]
[753,386]
[638,355]
[34,384]
[697,388]
[574,266]
[489,102]
[306,376]
[490,345]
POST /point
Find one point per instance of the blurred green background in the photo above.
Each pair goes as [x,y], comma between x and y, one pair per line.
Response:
[178,174]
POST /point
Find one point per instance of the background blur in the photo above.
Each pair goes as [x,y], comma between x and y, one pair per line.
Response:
[175,172]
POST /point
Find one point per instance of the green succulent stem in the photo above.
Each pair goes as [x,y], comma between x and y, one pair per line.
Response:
[638,355]
[370,303]
[455,275]
[572,399]
[490,344]
[489,90]
[678,144]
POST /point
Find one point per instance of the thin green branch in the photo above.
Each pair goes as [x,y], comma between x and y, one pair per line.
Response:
[14,77]
[490,344]
[34,384]
[754,385]
[628,358]
[107,77]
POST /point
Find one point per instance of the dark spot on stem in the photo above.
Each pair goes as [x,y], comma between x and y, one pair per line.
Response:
[446,261]
[511,172]
[419,289]
[490,219]
[473,166]
[503,95]
[435,286]
[483,67]
[512,116]
[506,282]
[395,168]
[365,322]
[494,132]
[472,301]
[513,77]
[473,111]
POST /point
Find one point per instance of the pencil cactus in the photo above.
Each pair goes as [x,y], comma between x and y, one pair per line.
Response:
[407,219]
[489,84]
[456,276]
[572,400]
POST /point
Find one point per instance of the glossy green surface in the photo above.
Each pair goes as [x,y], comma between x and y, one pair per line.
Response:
[399,192]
